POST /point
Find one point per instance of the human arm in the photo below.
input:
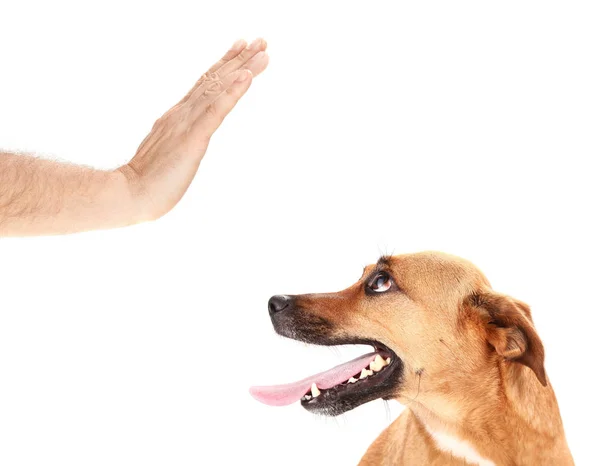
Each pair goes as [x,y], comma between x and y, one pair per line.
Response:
[42,197]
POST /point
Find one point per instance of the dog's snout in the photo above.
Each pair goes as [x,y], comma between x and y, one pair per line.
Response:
[278,303]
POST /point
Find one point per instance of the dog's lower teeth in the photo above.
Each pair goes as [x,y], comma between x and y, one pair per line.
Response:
[374,366]
[365,373]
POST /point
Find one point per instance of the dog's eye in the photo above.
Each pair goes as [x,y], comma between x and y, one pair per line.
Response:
[381,282]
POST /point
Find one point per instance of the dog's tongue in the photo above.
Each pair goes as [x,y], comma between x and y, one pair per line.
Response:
[282,395]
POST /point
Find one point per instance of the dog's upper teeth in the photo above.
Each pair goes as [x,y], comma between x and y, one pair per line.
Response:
[306,397]
[314,390]
[352,380]
[388,360]
[377,364]
[365,373]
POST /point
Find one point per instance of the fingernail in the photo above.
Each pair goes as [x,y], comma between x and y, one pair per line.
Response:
[237,44]
[259,56]
[244,74]
[255,45]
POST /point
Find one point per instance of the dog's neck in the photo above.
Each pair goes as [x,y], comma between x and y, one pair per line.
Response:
[512,405]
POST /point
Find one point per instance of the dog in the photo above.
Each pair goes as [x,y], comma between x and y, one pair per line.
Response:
[465,360]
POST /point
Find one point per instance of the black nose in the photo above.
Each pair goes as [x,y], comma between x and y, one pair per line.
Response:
[279,303]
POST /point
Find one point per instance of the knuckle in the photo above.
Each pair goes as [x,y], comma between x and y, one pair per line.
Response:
[157,123]
[214,87]
[160,123]
[243,56]
[211,110]
[170,116]
[209,82]
[202,79]
[171,111]
[209,76]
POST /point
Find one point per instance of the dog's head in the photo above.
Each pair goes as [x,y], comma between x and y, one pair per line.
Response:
[432,319]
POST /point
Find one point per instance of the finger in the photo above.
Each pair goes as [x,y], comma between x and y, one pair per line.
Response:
[257,63]
[215,113]
[233,52]
[258,45]
[204,96]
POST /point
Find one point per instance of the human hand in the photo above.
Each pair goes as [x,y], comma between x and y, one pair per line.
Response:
[168,159]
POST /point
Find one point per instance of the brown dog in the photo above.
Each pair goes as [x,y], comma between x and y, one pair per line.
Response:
[466,361]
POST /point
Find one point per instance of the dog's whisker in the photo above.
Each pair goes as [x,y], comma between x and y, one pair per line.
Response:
[418,372]
[336,351]
[388,412]
[451,352]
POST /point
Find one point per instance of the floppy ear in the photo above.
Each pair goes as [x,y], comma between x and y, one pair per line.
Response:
[511,332]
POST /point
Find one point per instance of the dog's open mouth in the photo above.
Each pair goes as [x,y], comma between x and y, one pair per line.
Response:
[341,388]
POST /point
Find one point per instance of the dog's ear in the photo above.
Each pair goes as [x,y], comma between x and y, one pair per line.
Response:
[510,330]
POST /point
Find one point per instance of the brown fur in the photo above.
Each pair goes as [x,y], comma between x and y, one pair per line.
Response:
[473,364]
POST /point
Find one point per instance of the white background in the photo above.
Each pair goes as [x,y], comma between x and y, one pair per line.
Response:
[467,127]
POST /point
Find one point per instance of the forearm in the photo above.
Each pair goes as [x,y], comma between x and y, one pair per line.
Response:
[42,197]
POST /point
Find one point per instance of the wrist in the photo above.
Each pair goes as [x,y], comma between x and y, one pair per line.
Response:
[127,196]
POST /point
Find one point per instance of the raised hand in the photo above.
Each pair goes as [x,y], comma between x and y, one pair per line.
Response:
[167,160]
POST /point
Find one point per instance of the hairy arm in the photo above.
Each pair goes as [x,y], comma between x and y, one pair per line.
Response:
[42,197]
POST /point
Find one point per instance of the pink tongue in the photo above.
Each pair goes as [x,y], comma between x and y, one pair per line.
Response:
[282,395]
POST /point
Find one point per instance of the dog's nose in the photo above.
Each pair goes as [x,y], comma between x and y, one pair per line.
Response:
[279,303]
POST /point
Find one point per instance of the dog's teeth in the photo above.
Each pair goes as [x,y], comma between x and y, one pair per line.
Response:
[377,364]
[306,397]
[352,380]
[365,373]
[388,360]
[314,390]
